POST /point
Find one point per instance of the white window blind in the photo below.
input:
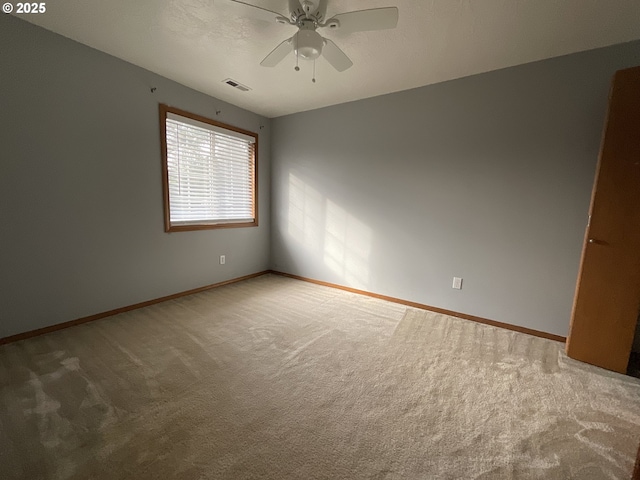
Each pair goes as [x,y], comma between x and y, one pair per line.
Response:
[210,173]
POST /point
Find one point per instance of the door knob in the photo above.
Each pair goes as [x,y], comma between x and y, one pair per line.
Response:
[595,241]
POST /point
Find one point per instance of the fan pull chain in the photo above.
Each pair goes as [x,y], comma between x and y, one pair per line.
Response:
[314,71]
[297,69]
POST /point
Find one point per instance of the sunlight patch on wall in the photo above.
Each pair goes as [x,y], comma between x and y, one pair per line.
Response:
[347,246]
[330,235]
[305,214]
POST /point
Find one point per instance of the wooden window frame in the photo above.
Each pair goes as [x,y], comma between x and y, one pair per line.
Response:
[168,227]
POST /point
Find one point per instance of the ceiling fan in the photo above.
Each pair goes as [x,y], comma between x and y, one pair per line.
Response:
[309,16]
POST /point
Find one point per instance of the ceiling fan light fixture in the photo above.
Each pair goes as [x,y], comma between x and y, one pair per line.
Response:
[308,44]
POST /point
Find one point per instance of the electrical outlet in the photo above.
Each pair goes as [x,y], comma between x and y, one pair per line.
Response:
[457,283]
[223,259]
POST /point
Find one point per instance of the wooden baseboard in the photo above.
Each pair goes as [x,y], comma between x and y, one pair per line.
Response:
[465,316]
[98,316]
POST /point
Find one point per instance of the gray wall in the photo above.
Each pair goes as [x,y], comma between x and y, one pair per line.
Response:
[487,178]
[80,185]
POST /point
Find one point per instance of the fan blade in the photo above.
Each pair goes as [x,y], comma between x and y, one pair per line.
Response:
[335,56]
[278,54]
[259,13]
[366,20]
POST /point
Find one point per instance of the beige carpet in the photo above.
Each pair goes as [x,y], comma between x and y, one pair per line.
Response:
[280,379]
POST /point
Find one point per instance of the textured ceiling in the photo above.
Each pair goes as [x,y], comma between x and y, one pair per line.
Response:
[200,43]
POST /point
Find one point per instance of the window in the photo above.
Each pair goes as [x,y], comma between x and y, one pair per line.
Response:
[209,173]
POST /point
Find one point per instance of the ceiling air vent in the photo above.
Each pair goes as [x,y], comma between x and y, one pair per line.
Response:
[238,85]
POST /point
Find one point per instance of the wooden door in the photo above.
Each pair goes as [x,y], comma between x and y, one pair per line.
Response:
[607,300]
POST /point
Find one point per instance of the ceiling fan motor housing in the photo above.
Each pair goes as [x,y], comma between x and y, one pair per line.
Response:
[307,9]
[308,44]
